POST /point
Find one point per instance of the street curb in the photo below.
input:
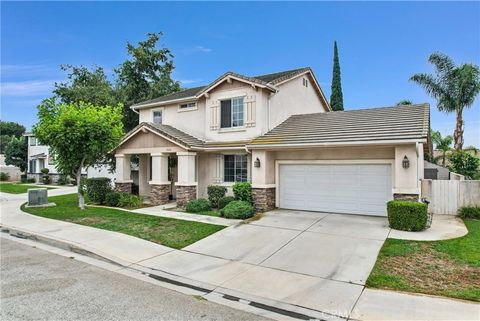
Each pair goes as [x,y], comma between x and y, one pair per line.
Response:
[276,307]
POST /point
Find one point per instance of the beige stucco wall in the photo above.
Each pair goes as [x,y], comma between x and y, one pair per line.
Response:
[294,98]
[190,120]
[403,180]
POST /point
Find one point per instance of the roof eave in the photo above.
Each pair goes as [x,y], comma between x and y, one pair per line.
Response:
[338,144]
[163,103]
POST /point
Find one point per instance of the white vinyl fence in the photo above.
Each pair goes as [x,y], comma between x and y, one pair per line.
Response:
[446,197]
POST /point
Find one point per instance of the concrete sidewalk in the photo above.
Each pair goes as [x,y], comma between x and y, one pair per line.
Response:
[290,294]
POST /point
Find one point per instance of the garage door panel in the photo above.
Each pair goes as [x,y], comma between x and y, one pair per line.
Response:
[352,188]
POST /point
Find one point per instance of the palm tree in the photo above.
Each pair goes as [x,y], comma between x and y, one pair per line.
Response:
[454,88]
[404,102]
[443,144]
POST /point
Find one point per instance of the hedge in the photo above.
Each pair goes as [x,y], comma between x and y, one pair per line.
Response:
[215,192]
[243,191]
[98,188]
[469,212]
[113,199]
[222,202]
[238,210]
[198,205]
[407,215]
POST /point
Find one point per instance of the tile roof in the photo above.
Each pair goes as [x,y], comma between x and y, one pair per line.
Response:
[267,79]
[374,124]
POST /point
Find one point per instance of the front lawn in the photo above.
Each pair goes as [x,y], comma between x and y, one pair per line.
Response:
[17,188]
[449,268]
[166,231]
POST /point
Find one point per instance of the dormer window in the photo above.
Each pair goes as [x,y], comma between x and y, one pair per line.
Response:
[188,106]
[231,112]
[157,117]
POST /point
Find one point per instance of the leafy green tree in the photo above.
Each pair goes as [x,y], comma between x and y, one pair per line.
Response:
[16,153]
[454,88]
[443,144]
[336,98]
[464,163]
[404,102]
[79,135]
[83,84]
[9,129]
[146,75]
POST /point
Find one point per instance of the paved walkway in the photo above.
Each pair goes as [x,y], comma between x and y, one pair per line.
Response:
[259,278]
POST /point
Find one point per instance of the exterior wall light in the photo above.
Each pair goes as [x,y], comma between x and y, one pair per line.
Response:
[256,163]
[405,162]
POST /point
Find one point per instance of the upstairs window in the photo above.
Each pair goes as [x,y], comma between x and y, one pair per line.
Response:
[235,168]
[157,117]
[231,112]
[188,105]
[33,141]
[305,82]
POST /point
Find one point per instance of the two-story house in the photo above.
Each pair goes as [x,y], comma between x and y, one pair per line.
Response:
[39,157]
[278,132]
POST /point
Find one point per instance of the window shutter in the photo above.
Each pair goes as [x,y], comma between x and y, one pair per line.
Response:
[226,113]
[250,110]
[214,115]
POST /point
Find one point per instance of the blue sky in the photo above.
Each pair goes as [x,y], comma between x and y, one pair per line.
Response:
[381,44]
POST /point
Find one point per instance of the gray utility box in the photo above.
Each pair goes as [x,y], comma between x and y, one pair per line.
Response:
[37,197]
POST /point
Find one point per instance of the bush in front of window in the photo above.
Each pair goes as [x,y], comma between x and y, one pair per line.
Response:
[469,212]
[243,191]
[215,192]
[407,215]
[222,202]
[4,176]
[238,210]
[198,205]
[97,189]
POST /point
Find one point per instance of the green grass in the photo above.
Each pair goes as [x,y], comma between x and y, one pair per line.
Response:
[449,268]
[166,231]
[17,188]
[212,212]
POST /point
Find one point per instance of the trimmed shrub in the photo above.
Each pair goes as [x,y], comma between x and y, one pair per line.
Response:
[63,180]
[243,191]
[46,179]
[198,205]
[98,188]
[216,192]
[222,202]
[30,180]
[129,200]
[23,178]
[113,199]
[469,212]
[45,171]
[238,210]
[407,216]
[4,176]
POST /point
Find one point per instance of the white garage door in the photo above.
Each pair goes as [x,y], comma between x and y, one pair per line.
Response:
[352,188]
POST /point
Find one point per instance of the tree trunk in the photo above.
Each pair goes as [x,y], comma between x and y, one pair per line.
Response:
[458,133]
[81,199]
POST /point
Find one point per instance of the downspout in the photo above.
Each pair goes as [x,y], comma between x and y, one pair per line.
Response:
[418,169]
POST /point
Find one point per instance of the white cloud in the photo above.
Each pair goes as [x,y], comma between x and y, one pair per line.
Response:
[27,88]
[189,81]
[197,49]
[202,49]
[33,69]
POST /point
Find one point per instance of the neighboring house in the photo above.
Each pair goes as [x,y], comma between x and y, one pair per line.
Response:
[278,132]
[434,171]
[13,172]
[39,157]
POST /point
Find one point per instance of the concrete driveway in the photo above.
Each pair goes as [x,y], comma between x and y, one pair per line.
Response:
[330,246]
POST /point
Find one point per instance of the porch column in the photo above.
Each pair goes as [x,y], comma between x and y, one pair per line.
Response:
[263,180]
[159,185]
[123,181]
[186,186]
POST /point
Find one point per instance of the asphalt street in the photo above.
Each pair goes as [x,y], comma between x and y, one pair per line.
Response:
[39,285]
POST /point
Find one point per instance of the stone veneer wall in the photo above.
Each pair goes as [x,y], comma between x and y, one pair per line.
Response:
[124,187]
[185,194]
[263,199]
[406,197]
[160,194]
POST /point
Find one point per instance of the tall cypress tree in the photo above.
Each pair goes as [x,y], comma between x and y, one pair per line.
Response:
[336,98]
